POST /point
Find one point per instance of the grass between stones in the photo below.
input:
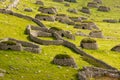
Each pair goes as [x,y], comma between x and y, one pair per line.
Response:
[28,66]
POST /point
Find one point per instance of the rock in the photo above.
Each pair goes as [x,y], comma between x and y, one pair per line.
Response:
[48,10]
[75,19]
[71,0]
[103,9]
[67,4]
[73,10]
[28,9]
[98,1]
[79,33]
[85,10]
[88,43]
[116,48]
[96,34]
[1,74]
[110,20]
[92,4]
[39,2]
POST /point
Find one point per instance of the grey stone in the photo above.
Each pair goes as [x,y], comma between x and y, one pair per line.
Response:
[92,4]
[103,9]
[85,10]
[96,34]
[28,9]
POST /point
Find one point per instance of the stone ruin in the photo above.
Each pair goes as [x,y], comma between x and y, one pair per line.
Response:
[103,9]
[28,10]
[58,0]
[67,4]
[45,17]
[98,1]
[35,32]
[88,43]
[96,34]
[76,19]
[86,25]
[85,10]
[71,0]
[88,73]
[72,10]
[110,20]
[92,4]
[64,60]
[17,45]
[39,2]
[79,33]
[116,48]
[48,10]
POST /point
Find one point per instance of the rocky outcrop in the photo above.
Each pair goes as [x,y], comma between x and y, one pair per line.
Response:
[17,45]
[98,73]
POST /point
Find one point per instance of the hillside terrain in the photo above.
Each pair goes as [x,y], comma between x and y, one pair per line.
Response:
[25,65]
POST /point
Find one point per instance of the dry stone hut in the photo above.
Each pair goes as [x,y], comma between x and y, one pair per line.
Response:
[58,0]
[88,43]
[45,17]
[50,10]
[96,34]
[85,10]
[86,25]
[103,9]
[92,4]
[116,48]
[39,2]
[64,60]
[98,1]
[98,74]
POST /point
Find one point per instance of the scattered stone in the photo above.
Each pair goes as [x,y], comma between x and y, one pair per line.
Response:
[58,0]
[71,0]
[67,4]
[98,74]
[96,34]
[64,60]
[49,10]
[73,10]
[75,19]
[110,20]
[98,1]
[116,48]
[103,9]
[92,4]
[79,33]
[88,43]
[83,18]
[85,10]
[28,10]
[45,17]
[39,2]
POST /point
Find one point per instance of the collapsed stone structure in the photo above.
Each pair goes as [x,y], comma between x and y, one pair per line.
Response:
[98,74]
[64,60]
[103,9]
[96,34]
[45,17]
[98,1]
[116,48]
[58,0]
[76,19]
[48,10]
[72,10]
[17,45]
[28,10]
[88,43]
[92,4]
[71,0]
[39,2]
[110,20]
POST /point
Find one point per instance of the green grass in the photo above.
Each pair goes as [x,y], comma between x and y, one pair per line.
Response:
[29,66]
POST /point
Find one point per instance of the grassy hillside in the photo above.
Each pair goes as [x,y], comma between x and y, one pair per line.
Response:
[29,66]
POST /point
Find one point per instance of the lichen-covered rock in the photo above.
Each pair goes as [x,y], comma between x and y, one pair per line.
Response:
[103,9]
[88,43]
[64,60]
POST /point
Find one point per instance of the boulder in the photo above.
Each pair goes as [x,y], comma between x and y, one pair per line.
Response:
[96,34]
[85,10]
[88,43]
[103,9]
[49,10]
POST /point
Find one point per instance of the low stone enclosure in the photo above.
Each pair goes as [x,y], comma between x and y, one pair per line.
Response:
[34,32]
[64,60]
[48,10]
[17,45]
[88,73]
